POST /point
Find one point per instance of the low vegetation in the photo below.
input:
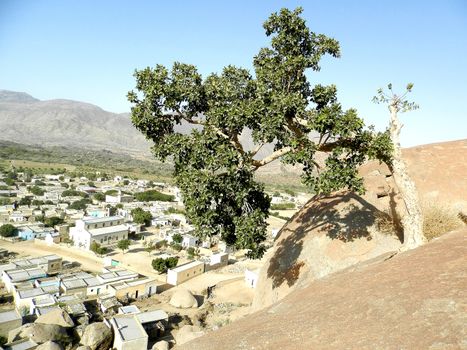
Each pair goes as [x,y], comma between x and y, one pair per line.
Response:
[153,195]
[439,219]
[161,265]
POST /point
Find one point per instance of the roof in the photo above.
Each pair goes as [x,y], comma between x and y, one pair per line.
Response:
[42,310]
[128,328]
[151,316]
[21,345]
[99,220]
[74,283]
[186,266]
[20,275]
[120,274]
[108,229]
[43,300]
[8,316]
[130,309]
[30,293]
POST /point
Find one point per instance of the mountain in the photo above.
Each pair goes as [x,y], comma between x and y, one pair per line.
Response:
[27,120]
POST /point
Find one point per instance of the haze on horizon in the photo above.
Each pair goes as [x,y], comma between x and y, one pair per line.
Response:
[87,51]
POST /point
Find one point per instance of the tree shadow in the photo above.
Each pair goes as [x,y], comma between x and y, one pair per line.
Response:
[344,216]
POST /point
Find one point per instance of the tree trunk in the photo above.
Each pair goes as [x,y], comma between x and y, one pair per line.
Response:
[412,219]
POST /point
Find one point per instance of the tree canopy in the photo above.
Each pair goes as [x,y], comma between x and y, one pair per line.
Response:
[141,216]
[276,104]
[8,230]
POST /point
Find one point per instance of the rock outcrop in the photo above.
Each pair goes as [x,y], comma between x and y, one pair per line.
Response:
[183,299]
[97,336]
[39,333]
[187,333]
[327,235]
[58,317]
[50,345]
[413,300]
[161,345]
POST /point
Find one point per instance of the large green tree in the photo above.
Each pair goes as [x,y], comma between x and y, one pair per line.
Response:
[277,105]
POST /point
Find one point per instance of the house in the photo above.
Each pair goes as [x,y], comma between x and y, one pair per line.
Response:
[106,231]
[109,303]
[41,304]
[189,241]
[33,231]
[134,289]
[216,261]
[129,333]
[118,198]
[184,272]
[111,275]
[154,322]
[9,320]
[52,238]
[12,277]
[129,309]
[24,297]
[251,277]
[72,305]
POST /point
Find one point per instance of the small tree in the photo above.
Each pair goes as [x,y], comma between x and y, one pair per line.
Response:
[53,221]
[124,244]
[412,220]
[161,265]
[8,230]
[177,238]
[141,216]
[94,247]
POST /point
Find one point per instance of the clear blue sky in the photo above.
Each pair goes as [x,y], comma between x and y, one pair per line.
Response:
[87,50]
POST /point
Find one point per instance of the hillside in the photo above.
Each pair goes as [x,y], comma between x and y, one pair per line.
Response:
[66,123]
[414,300]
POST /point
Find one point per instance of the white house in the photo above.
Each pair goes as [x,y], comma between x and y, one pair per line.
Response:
[185,272]
[129,333]
[106,231]
[189,241]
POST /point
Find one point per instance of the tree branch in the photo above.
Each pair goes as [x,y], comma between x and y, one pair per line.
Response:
[272,157]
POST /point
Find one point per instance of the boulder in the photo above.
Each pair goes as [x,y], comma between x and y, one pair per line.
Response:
[329,234]
[183,299]
[83,348]
[39,333]
[49,345]
[56,316]
[188,333]
[161,345]
[97,336]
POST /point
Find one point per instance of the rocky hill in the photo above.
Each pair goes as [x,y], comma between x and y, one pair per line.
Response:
[26,120]
[414,300]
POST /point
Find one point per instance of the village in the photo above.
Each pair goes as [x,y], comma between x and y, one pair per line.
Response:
[100,262]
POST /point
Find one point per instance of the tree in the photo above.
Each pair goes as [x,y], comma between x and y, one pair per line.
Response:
[99,196]
[277,105]
[36,190]
[412,220]
[123,244]
[8,230]
[177,238]
[161,265]
[153,195]
[53,221]
[80,204]
[141,216]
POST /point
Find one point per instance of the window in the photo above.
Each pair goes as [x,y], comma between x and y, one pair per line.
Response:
[102,240]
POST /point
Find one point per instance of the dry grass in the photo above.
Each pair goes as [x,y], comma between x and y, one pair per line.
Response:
[439,219]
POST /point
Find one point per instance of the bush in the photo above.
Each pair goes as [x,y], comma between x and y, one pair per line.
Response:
[177,238]
[176,246]
[153,195]
[438,220]
[73,193]
[141,216]
[36,190]
[80,205]
[99,197]
[282,206]
[161,265]
[8,230]
[53,221]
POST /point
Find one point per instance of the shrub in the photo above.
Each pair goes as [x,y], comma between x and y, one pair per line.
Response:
[153,195]
[161,265]
[282,206]
[36,190]
[177,238]
[8,230]
[438,220]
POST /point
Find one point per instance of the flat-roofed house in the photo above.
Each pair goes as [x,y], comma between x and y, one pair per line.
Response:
[134,288]
[154,322]
[12,277]
[185,272]
[106,231]
[129,333]
[9,320]
[23,297]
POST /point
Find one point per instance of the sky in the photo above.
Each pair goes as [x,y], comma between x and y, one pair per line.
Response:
[87,50]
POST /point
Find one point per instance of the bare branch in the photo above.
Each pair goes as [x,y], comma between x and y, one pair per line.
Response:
[272,157]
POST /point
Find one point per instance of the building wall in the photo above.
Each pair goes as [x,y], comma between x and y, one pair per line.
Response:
[5,327]
[176,277]
[136,344]
[130,291]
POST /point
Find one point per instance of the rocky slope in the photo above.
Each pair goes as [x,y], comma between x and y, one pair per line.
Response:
[414,300]
[24,119]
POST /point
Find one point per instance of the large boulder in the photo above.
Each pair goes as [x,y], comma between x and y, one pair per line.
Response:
[183,299]
[56,316]
[327,235]
[188,333]
[50,345]
[40,333]
[161,345]
[97,336]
